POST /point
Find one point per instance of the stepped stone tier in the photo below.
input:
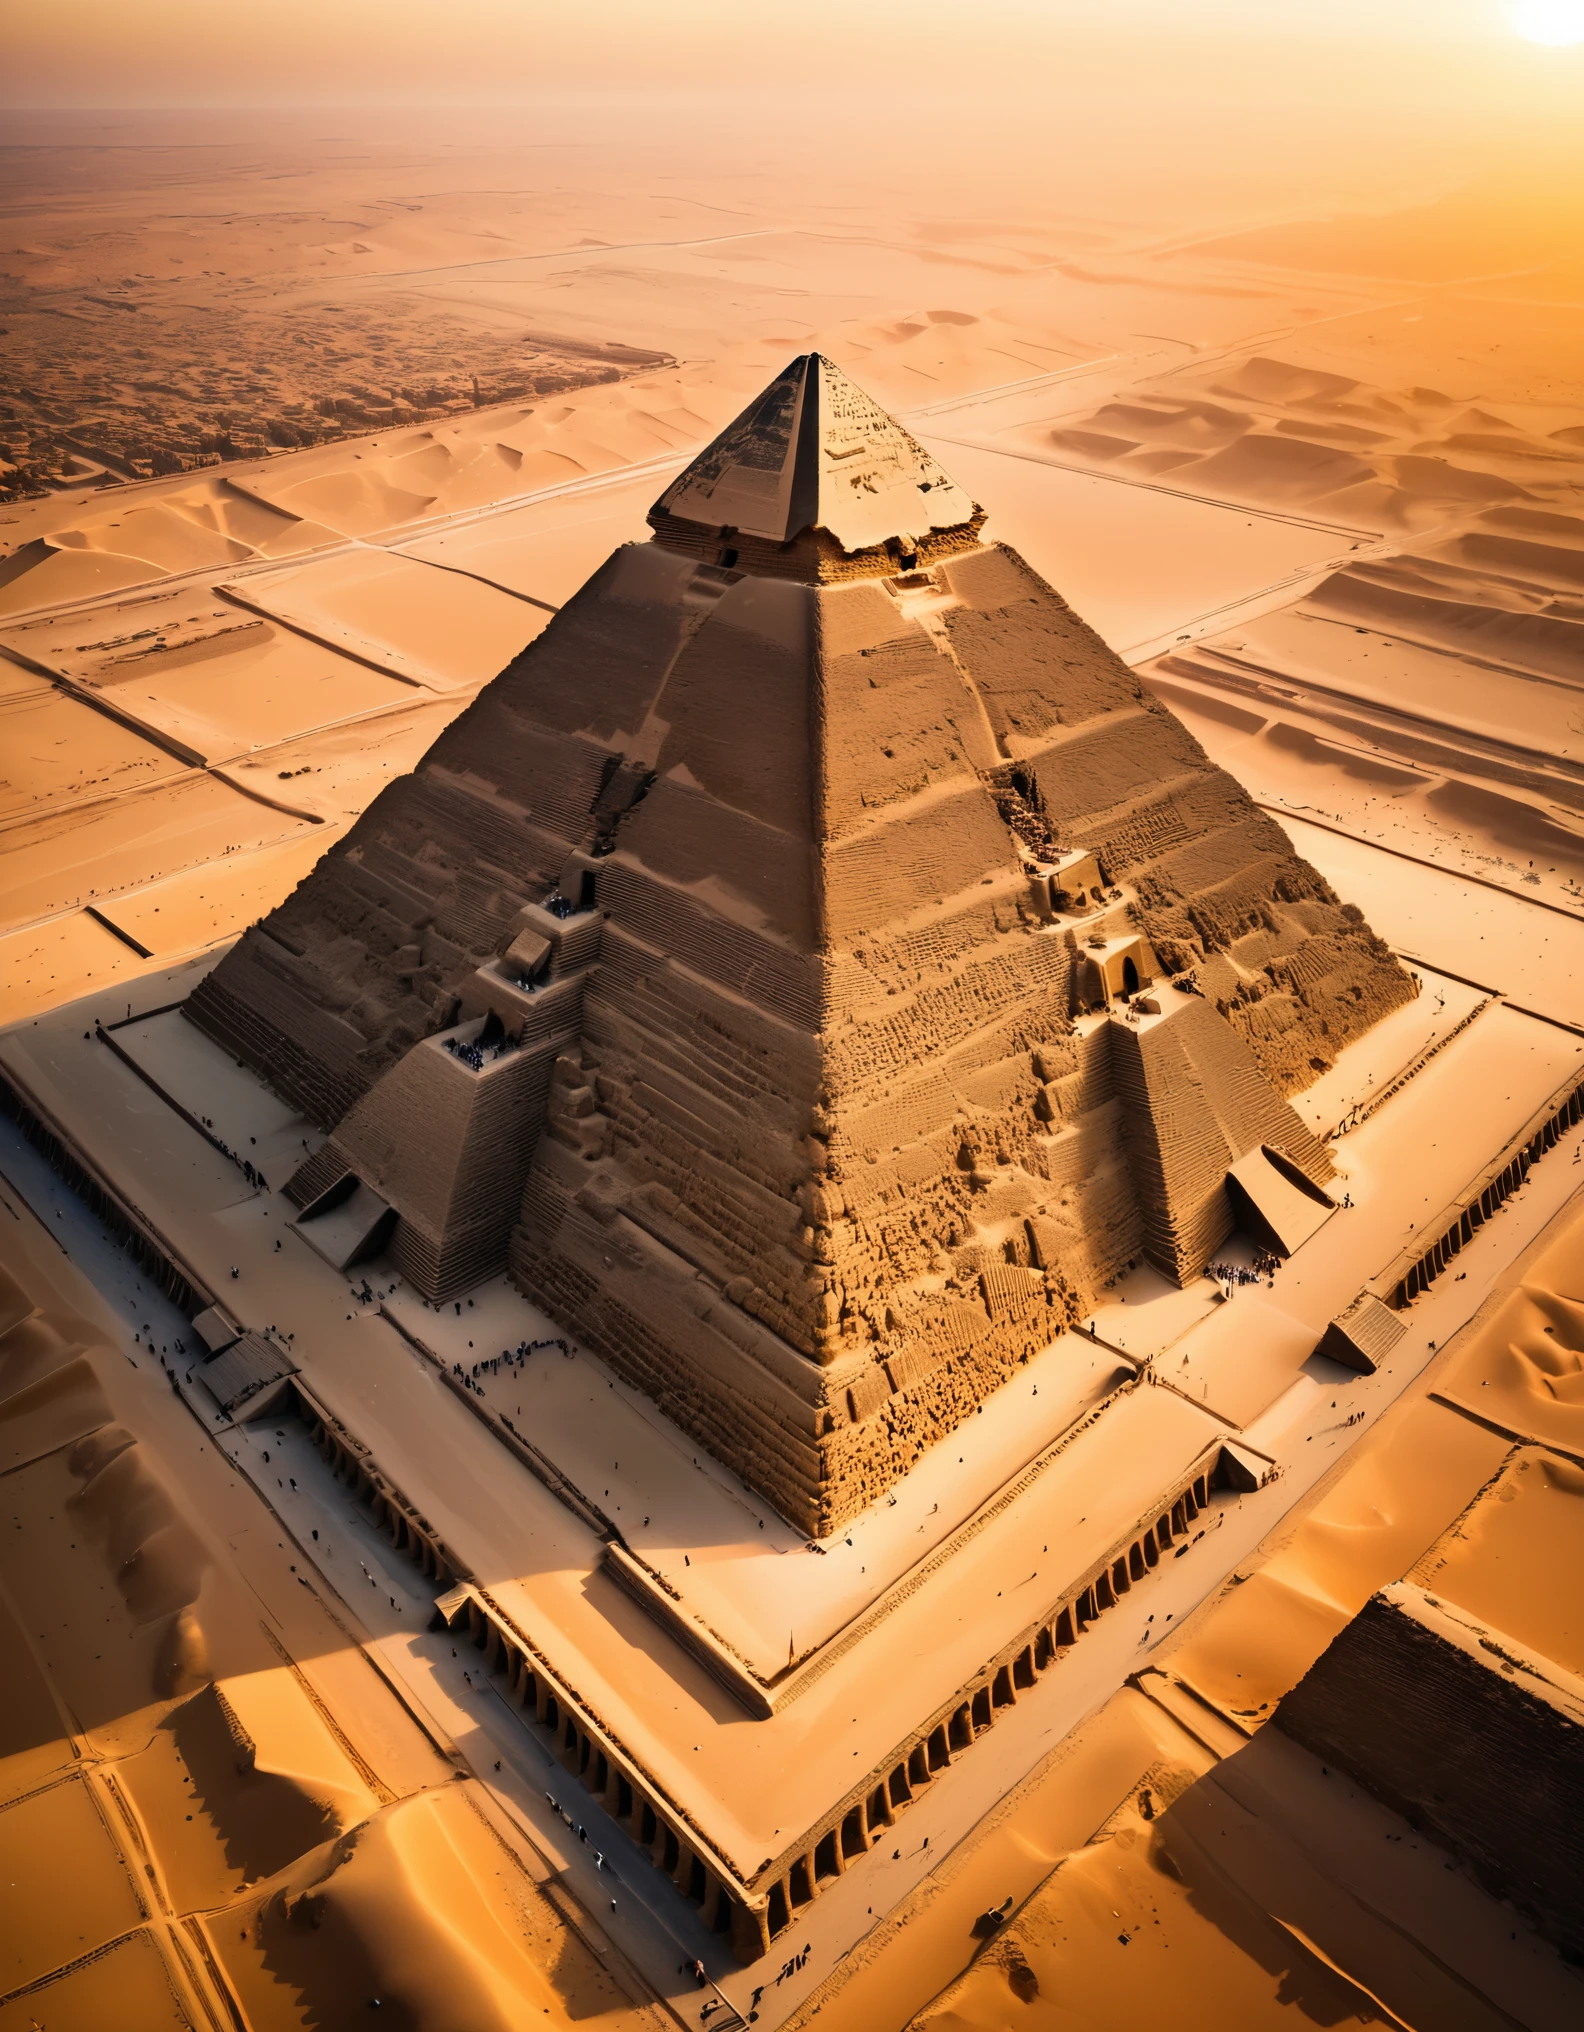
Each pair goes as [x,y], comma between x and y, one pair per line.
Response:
[775,966]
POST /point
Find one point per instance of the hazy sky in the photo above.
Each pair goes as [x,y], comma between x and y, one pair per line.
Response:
[350,52]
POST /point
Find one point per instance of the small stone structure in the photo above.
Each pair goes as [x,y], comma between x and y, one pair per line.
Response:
[248,1377]
[1362,1335]
[1473,1729]
[794,893]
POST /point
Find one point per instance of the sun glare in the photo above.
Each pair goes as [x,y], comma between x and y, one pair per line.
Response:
[1553,22]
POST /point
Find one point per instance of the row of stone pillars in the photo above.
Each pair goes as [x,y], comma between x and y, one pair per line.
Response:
[1492,1197]
[406,1531]
[865,1821]
[623,1795]
[753,1924]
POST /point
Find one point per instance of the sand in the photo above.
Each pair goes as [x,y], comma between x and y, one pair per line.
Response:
[1298,764]
[135,1980]
[545,550]
[331,775]
[1318,424]
[430,627]
[1491,1569]
[40,573]
[69,1886]
[1524,1371]
[1181,563]
[1182,1904]
[424,1909]
[194,911]
[270,1780]
[72,955]
[60,753]
[58,861]
[1318,651]
[181,530]
[251,685]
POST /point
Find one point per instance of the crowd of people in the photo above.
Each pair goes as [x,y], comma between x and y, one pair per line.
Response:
[474,1055]
[1231,1275]
[508,1358]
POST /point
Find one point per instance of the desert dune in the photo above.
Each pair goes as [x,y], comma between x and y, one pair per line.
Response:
[415,1907]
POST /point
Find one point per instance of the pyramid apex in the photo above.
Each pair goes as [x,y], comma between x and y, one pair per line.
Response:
[813,451]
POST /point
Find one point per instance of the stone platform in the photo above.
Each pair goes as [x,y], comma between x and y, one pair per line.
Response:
[636,1595]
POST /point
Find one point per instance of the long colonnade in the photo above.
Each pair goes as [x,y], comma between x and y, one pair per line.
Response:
[756,1913]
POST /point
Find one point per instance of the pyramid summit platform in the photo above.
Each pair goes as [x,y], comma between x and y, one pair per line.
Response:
[816,468]
[816,967]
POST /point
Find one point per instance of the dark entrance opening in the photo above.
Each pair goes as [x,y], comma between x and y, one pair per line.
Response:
[1130,978]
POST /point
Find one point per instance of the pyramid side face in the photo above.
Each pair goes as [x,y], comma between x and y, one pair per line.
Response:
[369,952]
[1194,1102]
[817,976]
[439,1142]
[815,452]
[812,791]
[748,477]
[1218,887]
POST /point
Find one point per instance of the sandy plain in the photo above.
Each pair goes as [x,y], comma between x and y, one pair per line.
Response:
[1324,483]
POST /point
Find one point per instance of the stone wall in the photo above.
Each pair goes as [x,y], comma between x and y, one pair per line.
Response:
[1477,1744]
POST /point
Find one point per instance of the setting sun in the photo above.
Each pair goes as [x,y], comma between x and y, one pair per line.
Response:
[1553,22]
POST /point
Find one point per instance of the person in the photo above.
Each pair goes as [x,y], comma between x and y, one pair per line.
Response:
[699,1973]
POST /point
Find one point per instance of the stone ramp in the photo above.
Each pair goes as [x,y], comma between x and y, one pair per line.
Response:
[350,1230]
[1278,1206]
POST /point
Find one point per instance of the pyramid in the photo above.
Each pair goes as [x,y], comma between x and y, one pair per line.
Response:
[814,480]
[841,968]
